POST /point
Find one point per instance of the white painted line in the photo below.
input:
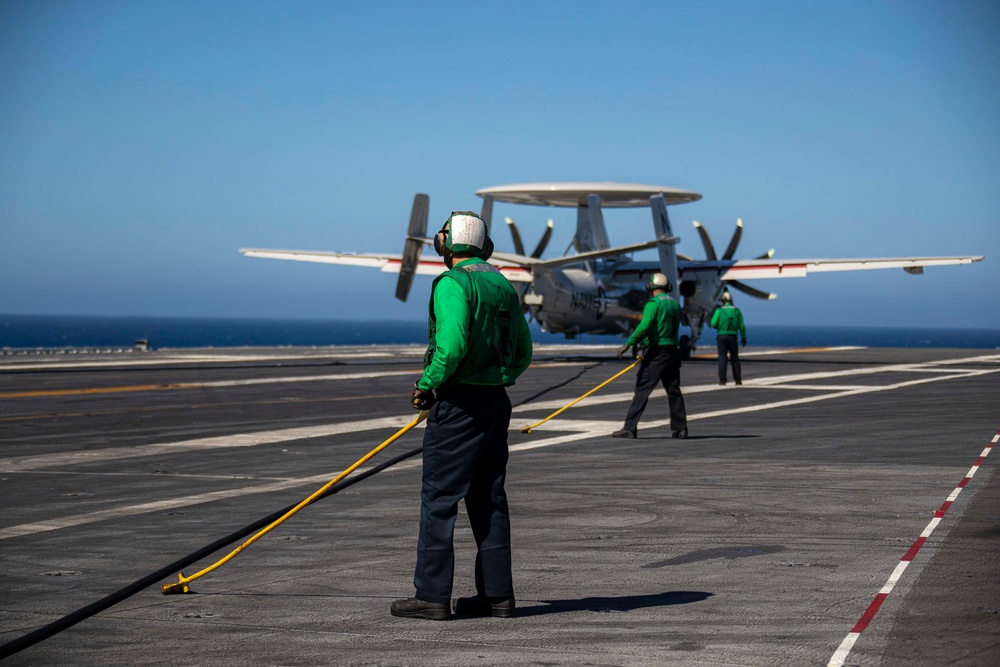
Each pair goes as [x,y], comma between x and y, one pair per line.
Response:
[158,506]
[986,358]
[930,527]
[807,387]
[25,463]
[583,430]
[44,364]
[303,378]
[894,577]
[778,382]
[843,651]
[840,656]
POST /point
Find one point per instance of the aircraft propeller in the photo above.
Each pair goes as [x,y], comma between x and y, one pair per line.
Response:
[751,291]
[414,245]
[734,242]
[519,245]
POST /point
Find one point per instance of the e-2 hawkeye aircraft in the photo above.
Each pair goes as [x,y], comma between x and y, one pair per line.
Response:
[600,289]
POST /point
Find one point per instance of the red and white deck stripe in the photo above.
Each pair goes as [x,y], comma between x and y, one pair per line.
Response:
[840,656]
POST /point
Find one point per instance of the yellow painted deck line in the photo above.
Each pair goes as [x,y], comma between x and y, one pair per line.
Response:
[47,393]
[95,390]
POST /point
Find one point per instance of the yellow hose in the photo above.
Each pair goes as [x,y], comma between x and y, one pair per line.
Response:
[182,585]
[527,429]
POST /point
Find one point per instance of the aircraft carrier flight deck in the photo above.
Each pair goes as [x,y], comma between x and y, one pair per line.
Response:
[842,506]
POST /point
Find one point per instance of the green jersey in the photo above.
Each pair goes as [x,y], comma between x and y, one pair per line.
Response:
[476,332]
[728,320]
[661,317]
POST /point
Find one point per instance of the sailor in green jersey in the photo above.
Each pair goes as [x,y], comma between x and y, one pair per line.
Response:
[728,320]
[661,364]
[478,344]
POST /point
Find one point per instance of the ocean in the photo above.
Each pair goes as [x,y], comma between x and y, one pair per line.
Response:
[34,332]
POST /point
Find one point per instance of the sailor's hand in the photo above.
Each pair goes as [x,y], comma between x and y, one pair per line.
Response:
[623,350]
[743,343]
[421,399]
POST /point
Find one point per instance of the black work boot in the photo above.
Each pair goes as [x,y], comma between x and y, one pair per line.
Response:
[624,433]
[680,435]
[414,608]
[483,606]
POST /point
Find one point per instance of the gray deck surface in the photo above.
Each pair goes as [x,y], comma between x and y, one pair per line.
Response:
[761,540]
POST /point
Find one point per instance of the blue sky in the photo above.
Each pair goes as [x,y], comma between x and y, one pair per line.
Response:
[143,143]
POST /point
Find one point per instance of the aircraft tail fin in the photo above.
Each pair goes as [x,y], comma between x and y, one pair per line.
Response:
[667,247]
[414,246]
[591,234]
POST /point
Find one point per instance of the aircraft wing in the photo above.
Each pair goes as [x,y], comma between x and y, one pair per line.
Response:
[386,262]
[582,257]
[799,268]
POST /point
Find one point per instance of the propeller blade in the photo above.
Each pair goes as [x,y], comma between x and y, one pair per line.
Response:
[751,291]
[706,241]
[544,243]
[767,255]
[413,247]
[735,241]
[516,235]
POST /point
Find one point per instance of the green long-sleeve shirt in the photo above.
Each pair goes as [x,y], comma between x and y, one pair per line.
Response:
[728,320]
[477,333]
[661,317]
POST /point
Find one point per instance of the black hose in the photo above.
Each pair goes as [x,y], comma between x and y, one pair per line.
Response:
[556,386]
[35,636]
[68,621]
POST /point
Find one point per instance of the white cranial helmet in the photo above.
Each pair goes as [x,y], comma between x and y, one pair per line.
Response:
[466,233]
[659,281]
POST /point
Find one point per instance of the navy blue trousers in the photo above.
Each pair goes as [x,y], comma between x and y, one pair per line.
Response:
[465,456]
[728,347]
[660,365]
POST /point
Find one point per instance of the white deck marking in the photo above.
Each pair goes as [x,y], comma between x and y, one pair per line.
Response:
[43,364]
[579,430]
[783,382]
[25,463]
[839,657]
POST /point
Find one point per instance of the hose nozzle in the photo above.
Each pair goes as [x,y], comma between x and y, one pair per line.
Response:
[176,589]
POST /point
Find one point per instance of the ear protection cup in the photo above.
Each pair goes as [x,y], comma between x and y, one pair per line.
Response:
[668,287]
[659,281]
[487,249]
[438,246]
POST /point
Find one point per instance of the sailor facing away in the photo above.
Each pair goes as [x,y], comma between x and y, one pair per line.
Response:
[728,320]
[478,344]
